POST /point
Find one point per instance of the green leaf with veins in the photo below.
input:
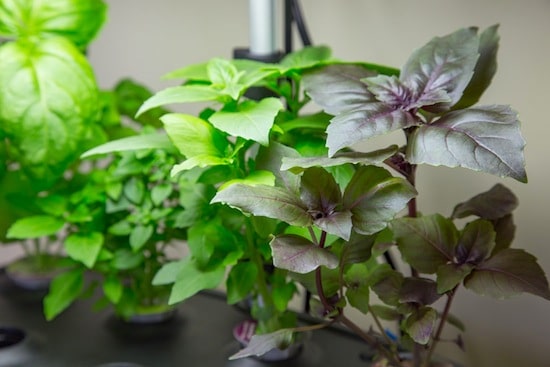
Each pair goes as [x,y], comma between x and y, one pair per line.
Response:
[182,94]
[64,290]
[252,120]
[194,136]
[78,21]
[84,247]
[49,101]
[241,281]
[35,226]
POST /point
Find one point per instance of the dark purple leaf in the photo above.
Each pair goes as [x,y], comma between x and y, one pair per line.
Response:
[297,165]
[320,192]
[426,242]
[338,223]
[300,255]
[386,283]
[493,204]
[338,88]
[391,91]
[476,242]
[261,344]
[267,201]
[484,139]
[421,291]
[420,324]
[506,230]
[508,273]
[367,121]
[450,275]
[484,70]
[374,197]
[438,73]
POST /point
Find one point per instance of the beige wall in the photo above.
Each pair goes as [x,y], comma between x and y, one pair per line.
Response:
[144,39]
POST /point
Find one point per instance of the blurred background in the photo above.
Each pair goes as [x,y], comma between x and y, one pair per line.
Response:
[145,39]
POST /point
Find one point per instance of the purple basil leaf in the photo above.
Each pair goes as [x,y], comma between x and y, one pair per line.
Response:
[391,91]
[323,199]
[386,283]
[267,201]
[371,119]
[421,291]
[506,230]
[476,242]
[338,88]
[426,242]
[484,70]
[420,324]
[508,273]
[374,197]
[299,255]
[261,344]
[320,192]
[450,275]
[493,204]
[297,165]
[438,73]
[270,159]
[484,139]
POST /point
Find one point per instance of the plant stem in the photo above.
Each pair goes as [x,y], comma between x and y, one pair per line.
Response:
[380,327]
[442,321]
[255,256]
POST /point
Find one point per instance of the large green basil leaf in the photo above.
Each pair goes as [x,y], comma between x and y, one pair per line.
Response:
[48,100]
[77,20]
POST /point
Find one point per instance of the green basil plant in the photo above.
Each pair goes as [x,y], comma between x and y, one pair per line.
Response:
[287,188]
[50,112]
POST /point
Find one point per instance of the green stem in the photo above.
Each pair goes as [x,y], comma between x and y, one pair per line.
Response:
[442,321]
[381,328]
[256,258]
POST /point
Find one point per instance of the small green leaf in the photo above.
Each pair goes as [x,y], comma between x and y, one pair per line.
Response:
[84,247]
[420,325]
[261,344]
[359,297]
[181,94]
[426,242]
[252,120]
[190,280]
[492,204]
[485,138]
[168,273]
[259,177]
[241,281]
[189,72]
[161,192]
[35,226]
[132,143]
[306,57]
[125,259]
[140,235]
[509,272]
[374,197]
[300,255]
[268,201]
[134,190]
[54,205]
[194,136]
[122,228]
[113,288]
[64,290]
